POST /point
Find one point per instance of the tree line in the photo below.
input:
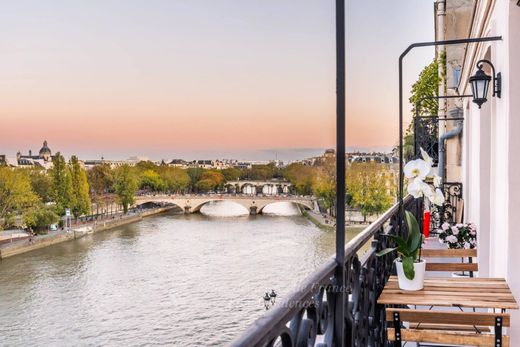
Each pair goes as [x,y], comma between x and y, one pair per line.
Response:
[40,197]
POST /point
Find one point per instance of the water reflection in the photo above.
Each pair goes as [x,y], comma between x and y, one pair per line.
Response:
[168,280]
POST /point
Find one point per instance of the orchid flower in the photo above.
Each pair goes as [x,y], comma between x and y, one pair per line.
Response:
[436,181]
[437,197]
[426,157]
[417,188]
[417,169]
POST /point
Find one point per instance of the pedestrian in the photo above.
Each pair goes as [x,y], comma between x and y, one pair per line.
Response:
[31,235]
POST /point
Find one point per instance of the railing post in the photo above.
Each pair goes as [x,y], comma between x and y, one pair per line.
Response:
[339,331]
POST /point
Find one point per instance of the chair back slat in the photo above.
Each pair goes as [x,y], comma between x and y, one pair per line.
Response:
[448,317]
[447,327]
[448,337]
[450,265]
[449,253]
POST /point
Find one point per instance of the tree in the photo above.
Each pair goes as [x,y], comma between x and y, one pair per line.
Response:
[195,174]
[426,86]
[151,180]
[370,186]
[80,202]
[100,179]
[145,165]
[40,217]
[326,191]
[301,177]
[261,172]
[41,184]
[125,186]
[424,94]
[210,180]
[175,180]
[16,195]
[61,184]
[231,174]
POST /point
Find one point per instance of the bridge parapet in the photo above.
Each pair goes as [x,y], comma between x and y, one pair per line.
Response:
[193,203]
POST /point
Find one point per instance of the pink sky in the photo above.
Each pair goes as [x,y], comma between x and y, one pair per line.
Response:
[101,78]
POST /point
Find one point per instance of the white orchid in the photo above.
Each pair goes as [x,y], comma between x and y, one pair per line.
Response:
[417,169]
[426,157]
[437,197]
[417,188]
[436,181]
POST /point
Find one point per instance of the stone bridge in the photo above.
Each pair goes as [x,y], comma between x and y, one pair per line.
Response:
[254,204]
[273,187]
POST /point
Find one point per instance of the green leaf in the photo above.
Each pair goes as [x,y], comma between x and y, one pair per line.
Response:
[401,243]
[385,251]
[408,267]
[414,233]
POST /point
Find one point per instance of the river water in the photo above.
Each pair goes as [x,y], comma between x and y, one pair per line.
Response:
[184,280]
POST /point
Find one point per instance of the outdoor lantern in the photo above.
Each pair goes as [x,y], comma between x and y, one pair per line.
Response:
[480,83]
[273,296]
[267,300]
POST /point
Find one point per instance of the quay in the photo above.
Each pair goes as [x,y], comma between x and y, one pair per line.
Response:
[25,245]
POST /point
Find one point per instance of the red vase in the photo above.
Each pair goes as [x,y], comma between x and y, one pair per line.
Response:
[426,223]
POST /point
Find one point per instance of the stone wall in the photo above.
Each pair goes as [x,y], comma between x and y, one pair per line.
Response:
[19,247]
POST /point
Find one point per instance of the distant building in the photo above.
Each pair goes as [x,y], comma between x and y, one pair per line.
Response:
[179,163]
[42,160]
[89,164]
[45,154]
[380,158]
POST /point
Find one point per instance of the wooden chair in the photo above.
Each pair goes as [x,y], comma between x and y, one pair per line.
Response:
[450,266]
[450,254]
[467,337]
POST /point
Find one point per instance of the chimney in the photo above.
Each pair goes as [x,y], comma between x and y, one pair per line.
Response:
[30,153]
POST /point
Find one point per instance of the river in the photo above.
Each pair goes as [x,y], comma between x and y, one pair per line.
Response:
[184,280]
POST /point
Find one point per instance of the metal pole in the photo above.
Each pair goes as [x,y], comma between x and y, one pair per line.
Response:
[401,57]
[339,330]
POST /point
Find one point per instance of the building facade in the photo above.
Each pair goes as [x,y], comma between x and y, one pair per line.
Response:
[489,143]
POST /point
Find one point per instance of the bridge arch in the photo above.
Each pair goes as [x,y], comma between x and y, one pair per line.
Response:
[196,208]
[154,201]
[301,205]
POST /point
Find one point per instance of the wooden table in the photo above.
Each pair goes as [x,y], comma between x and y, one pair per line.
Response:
[462,292]
[455,292]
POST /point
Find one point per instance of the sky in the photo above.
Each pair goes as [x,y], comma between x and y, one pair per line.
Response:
[250,79]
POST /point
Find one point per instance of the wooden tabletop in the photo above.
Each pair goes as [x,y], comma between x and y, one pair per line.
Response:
[446,291]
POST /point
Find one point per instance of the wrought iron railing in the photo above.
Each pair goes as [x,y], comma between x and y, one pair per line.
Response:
[452,211]
[426,136]
[308,316]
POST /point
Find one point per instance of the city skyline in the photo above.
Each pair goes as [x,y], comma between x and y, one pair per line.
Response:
[281,154]
[101,79]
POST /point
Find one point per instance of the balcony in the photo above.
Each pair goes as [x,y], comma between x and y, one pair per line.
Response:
[309,316]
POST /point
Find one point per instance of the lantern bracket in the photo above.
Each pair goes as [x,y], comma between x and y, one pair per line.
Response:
[497,77]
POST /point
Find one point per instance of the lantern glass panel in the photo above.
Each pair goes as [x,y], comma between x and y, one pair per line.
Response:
[482,88]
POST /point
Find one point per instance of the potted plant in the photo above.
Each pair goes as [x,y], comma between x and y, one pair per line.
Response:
[410,266]
[459,236]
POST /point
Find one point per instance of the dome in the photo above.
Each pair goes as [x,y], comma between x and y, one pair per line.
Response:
[45,150]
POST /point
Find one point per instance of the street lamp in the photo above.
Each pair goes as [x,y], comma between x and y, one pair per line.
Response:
[272,296]
[267,300]
[480,83]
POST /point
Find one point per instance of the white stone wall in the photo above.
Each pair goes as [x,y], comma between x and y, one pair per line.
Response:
[491,158]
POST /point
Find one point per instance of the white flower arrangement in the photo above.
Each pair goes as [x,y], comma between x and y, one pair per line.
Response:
[458,236]
[417,171]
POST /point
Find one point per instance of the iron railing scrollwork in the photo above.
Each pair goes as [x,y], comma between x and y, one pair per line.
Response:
[308,318]
[426,136]
[452,210]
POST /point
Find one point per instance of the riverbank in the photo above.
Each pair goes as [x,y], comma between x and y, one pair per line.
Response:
[328,223]
[323,222]
[55,237]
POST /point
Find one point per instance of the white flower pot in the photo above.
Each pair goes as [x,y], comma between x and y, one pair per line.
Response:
[418,282]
